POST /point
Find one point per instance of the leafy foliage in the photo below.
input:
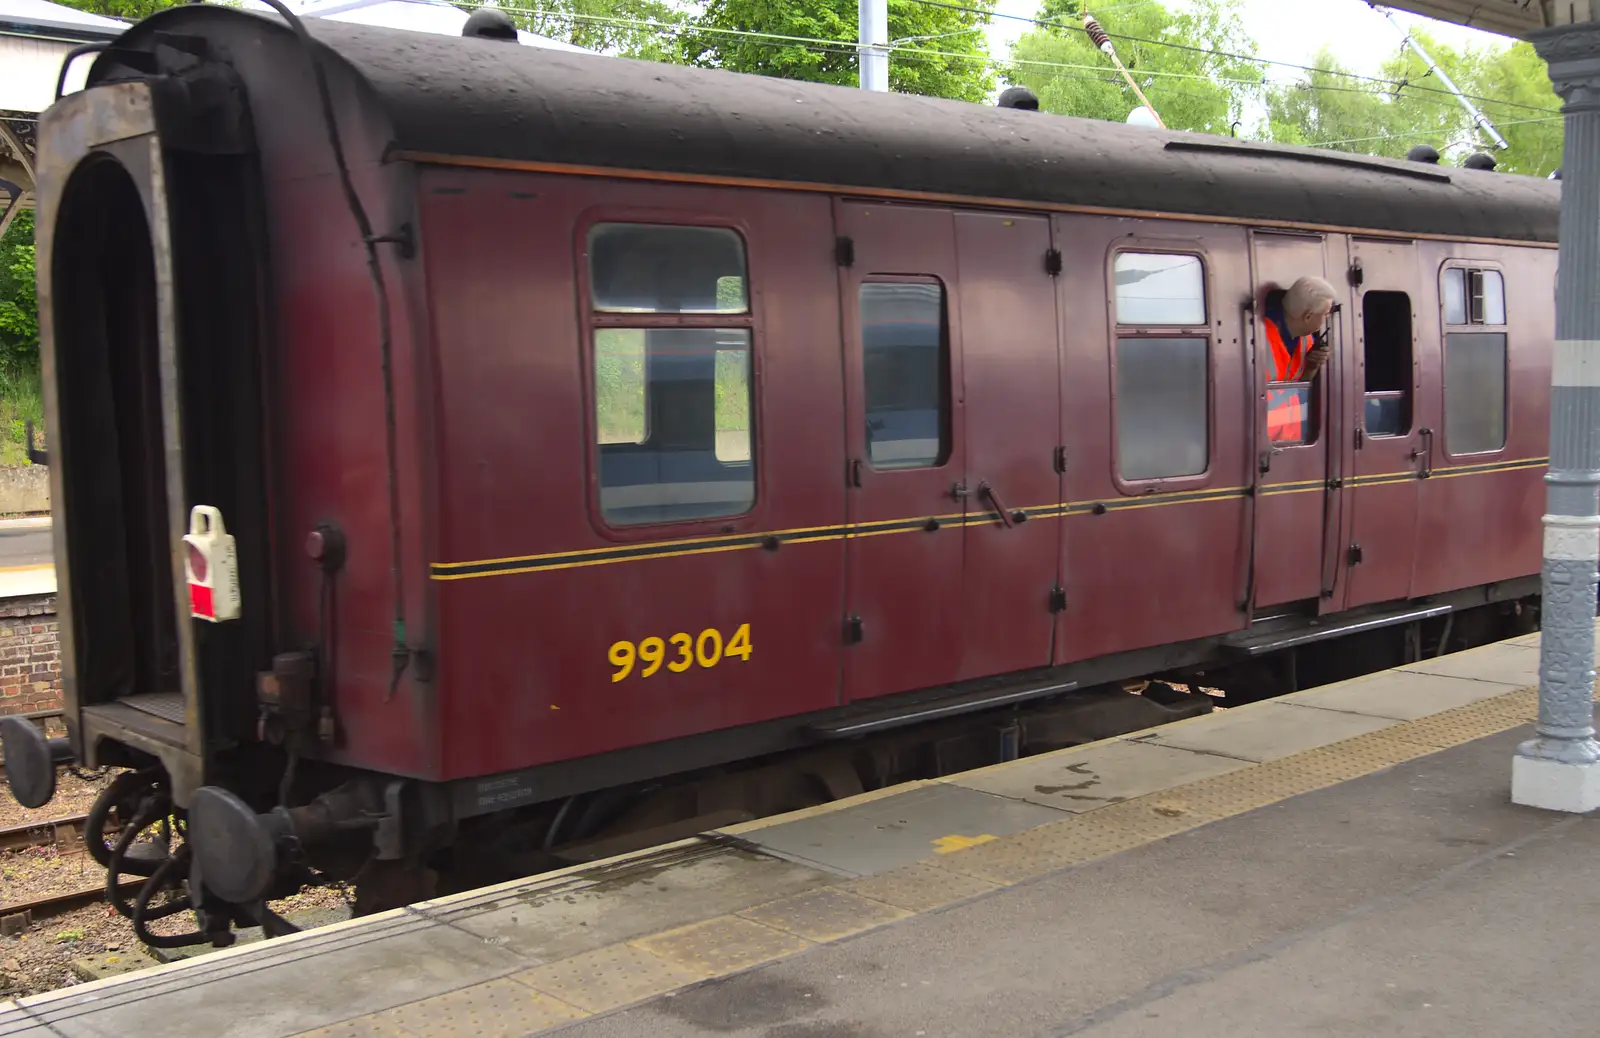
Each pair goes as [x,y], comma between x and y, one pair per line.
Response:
[642,29]
[1190,88]
[939,52]
[20,400]
[19,312]
[1323,105]
[1519,75]
[1350,114]
[131,10]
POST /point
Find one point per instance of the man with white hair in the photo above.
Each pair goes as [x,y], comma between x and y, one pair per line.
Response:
[1293,324]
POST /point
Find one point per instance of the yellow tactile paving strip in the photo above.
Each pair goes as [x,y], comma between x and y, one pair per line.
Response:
[633,971]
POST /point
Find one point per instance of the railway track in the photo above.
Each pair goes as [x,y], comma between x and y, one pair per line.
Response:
[50,905]
[64,833]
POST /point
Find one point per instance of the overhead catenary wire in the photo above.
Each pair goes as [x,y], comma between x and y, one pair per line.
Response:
[756,38]
[1213,52]
[1478,118]
[1422,133]
[1061,70]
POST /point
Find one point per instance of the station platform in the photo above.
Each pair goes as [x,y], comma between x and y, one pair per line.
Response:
[1343,861]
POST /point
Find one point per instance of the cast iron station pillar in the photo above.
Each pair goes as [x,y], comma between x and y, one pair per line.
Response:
[1559,769]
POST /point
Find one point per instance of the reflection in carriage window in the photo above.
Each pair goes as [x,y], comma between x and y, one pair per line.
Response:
[1473,296]
[1289,414]
[905,362]
[1163,380]
[1161,289]
[664,269]
[1475,399]
[1474,392]
[1163,407]
[672,395]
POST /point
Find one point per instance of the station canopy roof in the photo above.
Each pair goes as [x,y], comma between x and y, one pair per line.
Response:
[44,20]
[1507,17]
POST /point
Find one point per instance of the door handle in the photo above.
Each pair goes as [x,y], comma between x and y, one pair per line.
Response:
[1006,517]
[1425,453]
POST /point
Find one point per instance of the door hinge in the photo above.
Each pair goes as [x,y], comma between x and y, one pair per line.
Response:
[1361,438]
[853,474]
[1052,262]
[1355,555]
[1335,484]
[1060,461]
[844,251]
[1357,275]
[854,630]
[1058,599]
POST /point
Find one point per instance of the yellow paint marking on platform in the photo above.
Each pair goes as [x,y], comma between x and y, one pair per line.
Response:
[951,844]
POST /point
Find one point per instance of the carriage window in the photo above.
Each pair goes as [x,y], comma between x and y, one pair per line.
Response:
[1386,338]
[1473,296]
[905,358]
[1474,392]
[1159,289]
[673,373]
[1162,396]
[1162,383]
[662,269]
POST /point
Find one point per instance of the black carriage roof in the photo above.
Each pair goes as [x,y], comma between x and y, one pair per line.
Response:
[472,98]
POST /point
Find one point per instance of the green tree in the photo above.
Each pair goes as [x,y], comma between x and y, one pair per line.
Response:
[1517,74]
[937,51]
[1421,107]
[1324,105]
[19,313]
[20,399]
[129,10]
[132,10]
[643,29]
[1191,85]
[1412,106]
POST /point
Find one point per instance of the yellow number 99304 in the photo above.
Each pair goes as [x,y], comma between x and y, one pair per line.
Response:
[678,653]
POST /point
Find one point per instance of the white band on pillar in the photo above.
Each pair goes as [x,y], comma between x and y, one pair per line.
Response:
[1576,363]
[1572,538]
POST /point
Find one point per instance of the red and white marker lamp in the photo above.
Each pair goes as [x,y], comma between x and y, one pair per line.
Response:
[212,562]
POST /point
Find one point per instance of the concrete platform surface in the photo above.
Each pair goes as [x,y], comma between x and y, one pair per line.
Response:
[1413,902]
[1278,869]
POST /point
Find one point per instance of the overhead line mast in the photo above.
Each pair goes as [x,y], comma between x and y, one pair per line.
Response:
[1478,117]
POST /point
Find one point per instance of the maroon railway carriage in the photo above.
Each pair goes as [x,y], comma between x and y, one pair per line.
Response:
[581,422]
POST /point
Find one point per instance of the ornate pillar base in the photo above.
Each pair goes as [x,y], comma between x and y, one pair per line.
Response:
[1554,786]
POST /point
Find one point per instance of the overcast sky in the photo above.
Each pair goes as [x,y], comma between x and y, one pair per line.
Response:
[1284,30]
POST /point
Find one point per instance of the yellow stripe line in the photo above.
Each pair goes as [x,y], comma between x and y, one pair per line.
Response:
[628,552]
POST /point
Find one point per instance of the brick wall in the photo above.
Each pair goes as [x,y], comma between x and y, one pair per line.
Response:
[30,656]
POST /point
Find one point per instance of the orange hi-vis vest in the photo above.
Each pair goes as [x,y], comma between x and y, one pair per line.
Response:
[1288,413]
[1288,407]
[1286,361]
